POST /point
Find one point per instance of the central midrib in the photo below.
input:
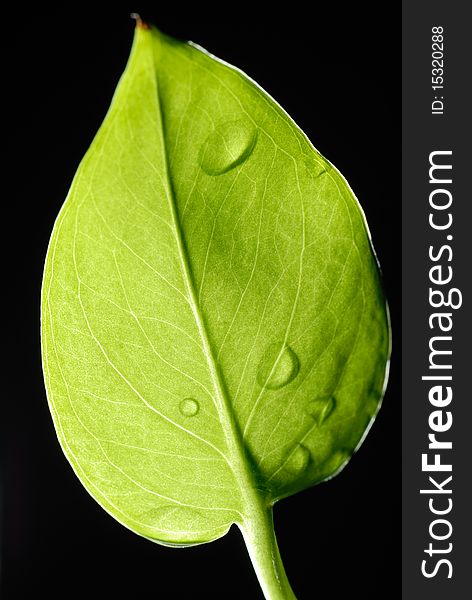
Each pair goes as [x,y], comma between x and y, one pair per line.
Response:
[237,461]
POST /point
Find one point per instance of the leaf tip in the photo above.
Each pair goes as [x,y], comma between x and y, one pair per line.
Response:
[140,24]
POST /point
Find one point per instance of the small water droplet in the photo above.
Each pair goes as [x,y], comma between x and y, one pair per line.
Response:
[322,409]
[227,146]
[279,366]
[189,407]
[316,167]
[299,459]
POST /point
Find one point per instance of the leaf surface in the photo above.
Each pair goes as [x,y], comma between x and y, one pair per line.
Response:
[214,330]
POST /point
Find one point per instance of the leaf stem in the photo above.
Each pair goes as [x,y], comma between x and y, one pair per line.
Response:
[261,543]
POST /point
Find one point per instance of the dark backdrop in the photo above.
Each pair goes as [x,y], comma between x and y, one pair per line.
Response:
[338,75]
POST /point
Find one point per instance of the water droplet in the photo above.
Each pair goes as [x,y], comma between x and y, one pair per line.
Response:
[316,167]
[299,459]
[227,146]
[279,366]
[189,407]
[322,409]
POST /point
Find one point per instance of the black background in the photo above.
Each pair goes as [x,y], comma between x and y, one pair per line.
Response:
[338,75]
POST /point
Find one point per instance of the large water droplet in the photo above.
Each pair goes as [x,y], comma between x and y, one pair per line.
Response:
[279,366]
[189,407]
[321,409]
[299,459]
[227,146]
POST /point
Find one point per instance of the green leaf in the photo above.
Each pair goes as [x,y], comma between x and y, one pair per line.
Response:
[214,331]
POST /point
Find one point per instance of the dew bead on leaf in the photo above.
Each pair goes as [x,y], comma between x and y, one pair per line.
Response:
[299,459]
[214,332]
[321,409]
[229,145]
[189,407]
[278,367]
